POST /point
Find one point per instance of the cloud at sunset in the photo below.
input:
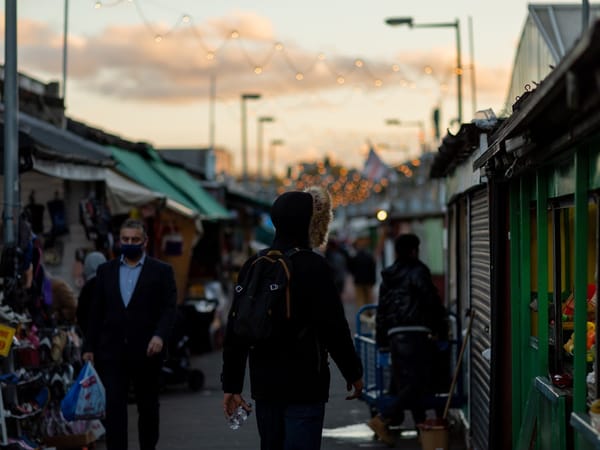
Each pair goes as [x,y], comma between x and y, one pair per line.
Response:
[126,62]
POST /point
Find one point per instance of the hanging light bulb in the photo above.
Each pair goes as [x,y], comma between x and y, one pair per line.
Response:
[358,63]
[340,80]
[396,68]
[321,57]
[98,4]
[185,18]
[234,34]
[378,83]
[299,76]
[258,70]
[428,70]
[210,55]
[158,38]
[278,46]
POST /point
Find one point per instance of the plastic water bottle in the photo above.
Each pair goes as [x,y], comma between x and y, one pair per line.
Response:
[238,418]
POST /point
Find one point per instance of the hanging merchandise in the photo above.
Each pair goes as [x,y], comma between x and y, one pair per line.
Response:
[58,215]
[35,212]
[172,241]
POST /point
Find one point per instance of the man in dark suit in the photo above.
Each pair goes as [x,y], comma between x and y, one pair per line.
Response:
[131,318]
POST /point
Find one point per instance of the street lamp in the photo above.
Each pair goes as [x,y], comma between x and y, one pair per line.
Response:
[274,144]
[396,21]
[410,123]
[245,97]
[259,142]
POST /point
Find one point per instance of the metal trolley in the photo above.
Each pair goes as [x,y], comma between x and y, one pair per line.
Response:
[377,365]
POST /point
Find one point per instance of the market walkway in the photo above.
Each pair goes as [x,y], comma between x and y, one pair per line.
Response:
[192,421]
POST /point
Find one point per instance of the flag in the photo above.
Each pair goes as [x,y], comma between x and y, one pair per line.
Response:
[375,169]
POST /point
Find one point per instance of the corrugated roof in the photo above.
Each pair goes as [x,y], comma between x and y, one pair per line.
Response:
[60,141]
[560,25]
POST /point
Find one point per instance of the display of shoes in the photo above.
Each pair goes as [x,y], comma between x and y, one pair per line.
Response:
[21,376]
[59,340]
[45,349]
[9,315]
[22,444]
[23,410]
[43,397]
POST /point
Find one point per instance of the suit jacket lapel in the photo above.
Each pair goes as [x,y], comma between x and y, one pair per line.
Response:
[116,275]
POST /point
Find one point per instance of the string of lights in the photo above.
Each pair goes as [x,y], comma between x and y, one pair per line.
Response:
[270,50]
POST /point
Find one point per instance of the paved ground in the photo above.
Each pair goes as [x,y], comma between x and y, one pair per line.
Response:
[192,421]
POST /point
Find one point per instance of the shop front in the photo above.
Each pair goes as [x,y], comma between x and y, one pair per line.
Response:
[547,157]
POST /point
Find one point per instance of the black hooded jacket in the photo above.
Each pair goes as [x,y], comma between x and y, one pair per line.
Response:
[295,369]
[408,297]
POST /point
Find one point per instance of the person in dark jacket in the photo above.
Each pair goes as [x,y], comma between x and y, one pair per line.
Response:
[290,377]
[364,271]
[84,302]
[410,317]
[131,319]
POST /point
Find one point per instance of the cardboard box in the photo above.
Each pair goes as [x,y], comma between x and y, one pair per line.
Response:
[70,440]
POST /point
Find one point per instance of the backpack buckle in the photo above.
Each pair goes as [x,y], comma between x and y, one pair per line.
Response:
[273,287]
[238,288]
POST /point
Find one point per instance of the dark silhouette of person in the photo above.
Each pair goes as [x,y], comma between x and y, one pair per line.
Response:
[410,317]
[131,320]
[338,260]
[84,302]
[289,376]
[364,271]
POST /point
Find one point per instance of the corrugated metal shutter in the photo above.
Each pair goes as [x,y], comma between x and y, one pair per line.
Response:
[481,329]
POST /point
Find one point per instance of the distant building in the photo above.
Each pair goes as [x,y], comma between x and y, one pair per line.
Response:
[199,161]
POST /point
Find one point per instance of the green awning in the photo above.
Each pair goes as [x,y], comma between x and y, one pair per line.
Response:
[207,205]
[137,168]
[172,181]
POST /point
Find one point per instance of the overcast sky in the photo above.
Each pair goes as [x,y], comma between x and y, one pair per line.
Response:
[124,81]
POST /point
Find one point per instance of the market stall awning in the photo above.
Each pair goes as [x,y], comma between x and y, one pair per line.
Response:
[62,142]
[173,181]
[208,206]
[122,194]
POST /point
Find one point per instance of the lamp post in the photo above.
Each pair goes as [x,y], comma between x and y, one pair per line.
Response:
[65,48]
[10,209]
[274,144]
[245,97]
[396,21]
[259,142]
[411,123]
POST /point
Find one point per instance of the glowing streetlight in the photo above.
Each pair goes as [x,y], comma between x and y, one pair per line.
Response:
[274,143]
[410,123]
[245,97]
[259,142]
[397,21]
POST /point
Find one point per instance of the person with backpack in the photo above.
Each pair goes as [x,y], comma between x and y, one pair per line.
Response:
[286,319]
[410,318]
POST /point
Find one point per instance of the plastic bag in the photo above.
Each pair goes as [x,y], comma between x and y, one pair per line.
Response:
[86,399]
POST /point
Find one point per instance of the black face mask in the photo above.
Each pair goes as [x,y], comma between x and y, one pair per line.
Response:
[132,251]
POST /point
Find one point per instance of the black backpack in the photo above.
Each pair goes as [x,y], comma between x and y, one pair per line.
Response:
[261,302]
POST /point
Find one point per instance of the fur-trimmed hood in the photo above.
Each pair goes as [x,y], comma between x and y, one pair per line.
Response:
[302,219]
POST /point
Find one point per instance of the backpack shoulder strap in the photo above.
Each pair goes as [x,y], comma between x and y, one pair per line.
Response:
[292,251]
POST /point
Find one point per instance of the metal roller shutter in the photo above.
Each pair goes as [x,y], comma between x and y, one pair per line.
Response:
[481,329]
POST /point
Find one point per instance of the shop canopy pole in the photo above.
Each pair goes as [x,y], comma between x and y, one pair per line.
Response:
[11,135]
